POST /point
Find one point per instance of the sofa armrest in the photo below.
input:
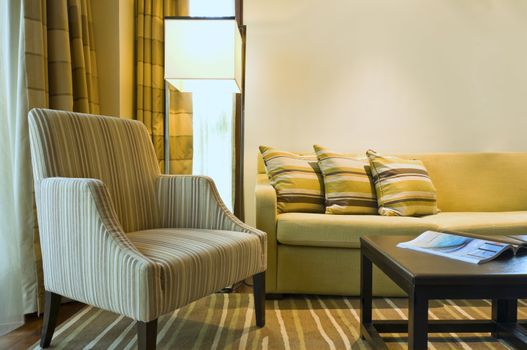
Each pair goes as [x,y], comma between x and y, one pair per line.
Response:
[266,219]
[86,255]
[189,201]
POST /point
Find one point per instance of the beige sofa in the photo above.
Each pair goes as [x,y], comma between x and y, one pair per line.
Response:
[319,253]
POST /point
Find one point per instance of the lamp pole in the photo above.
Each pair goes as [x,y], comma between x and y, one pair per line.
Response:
[239,131]
[167,128]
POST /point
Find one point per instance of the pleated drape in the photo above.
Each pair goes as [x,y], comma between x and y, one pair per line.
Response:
[60,70]
[150,85]
[60,55]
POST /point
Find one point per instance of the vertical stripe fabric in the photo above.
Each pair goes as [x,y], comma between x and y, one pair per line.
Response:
[87,256]
[150,85]
[117,152]
[116,234]
[194,202]
[348,185]
[403,186]
[195,262]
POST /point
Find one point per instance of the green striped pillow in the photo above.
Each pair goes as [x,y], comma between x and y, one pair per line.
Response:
[347,181]
[403,186]
[296,179]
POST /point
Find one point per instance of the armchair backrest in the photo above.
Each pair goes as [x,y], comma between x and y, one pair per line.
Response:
[118,152]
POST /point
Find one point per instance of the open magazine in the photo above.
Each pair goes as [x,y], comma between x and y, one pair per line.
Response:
[467,247]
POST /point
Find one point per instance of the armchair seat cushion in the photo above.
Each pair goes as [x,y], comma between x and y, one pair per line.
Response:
[194,262]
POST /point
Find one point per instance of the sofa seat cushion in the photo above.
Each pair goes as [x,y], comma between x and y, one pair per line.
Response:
[343,231]
[492,223]
[192,262]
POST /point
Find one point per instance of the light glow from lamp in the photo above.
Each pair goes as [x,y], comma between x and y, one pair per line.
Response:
[203,54]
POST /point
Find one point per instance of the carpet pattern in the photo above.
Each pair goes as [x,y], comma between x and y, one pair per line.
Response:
[226,321]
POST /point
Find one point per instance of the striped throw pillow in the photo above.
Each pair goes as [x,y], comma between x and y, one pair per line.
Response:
[296,179]
[403,186]
[347,182]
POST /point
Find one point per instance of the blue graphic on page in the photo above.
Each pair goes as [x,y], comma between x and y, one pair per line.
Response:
[445,243]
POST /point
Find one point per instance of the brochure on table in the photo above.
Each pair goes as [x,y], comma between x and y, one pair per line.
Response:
[472,248]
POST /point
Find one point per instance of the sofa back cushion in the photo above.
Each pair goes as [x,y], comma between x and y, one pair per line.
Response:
[473,182]
[478,182]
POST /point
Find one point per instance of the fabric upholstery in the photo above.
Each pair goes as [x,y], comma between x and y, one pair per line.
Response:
[326,261]
[347,182]
[194,202]
[477,182]
[343,231]
[403,186]
[87,256]
[118,152]
[266,212]
[116,234]
[330,271]
[296,179]
[194,262]
[468,182]
[150,85]
[492,223]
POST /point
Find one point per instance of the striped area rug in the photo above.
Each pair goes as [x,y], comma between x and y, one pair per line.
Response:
[226,321]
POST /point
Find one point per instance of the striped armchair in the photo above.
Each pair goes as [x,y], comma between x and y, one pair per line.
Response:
[118,235]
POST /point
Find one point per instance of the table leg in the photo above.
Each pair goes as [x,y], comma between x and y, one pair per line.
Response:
[365,292]
[504,311]
[417,321]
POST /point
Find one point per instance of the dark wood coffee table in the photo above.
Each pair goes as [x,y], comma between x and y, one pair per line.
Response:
[425,277]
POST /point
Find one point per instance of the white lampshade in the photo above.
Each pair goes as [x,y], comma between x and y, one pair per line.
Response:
[203,53]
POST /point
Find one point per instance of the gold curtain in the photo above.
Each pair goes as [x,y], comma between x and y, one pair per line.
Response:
[61,69]
[150,85]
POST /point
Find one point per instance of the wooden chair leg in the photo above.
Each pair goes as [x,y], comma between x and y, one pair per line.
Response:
[259,298]
[146,335]
[51,311]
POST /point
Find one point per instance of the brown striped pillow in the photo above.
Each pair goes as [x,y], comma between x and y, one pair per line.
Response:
[403,186]
[347,182]
[297,181]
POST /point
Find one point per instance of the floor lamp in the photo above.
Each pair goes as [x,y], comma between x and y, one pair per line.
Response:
[201,54]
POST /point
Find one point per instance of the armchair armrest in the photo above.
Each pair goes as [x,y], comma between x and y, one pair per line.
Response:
[266,218]
[87,256]
[194,202]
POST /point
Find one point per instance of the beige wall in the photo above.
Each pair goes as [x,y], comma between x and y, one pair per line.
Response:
[113,26]
[396,76]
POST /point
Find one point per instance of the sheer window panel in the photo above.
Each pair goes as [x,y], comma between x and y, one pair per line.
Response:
[11,58]
[213,126]
[213,119]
